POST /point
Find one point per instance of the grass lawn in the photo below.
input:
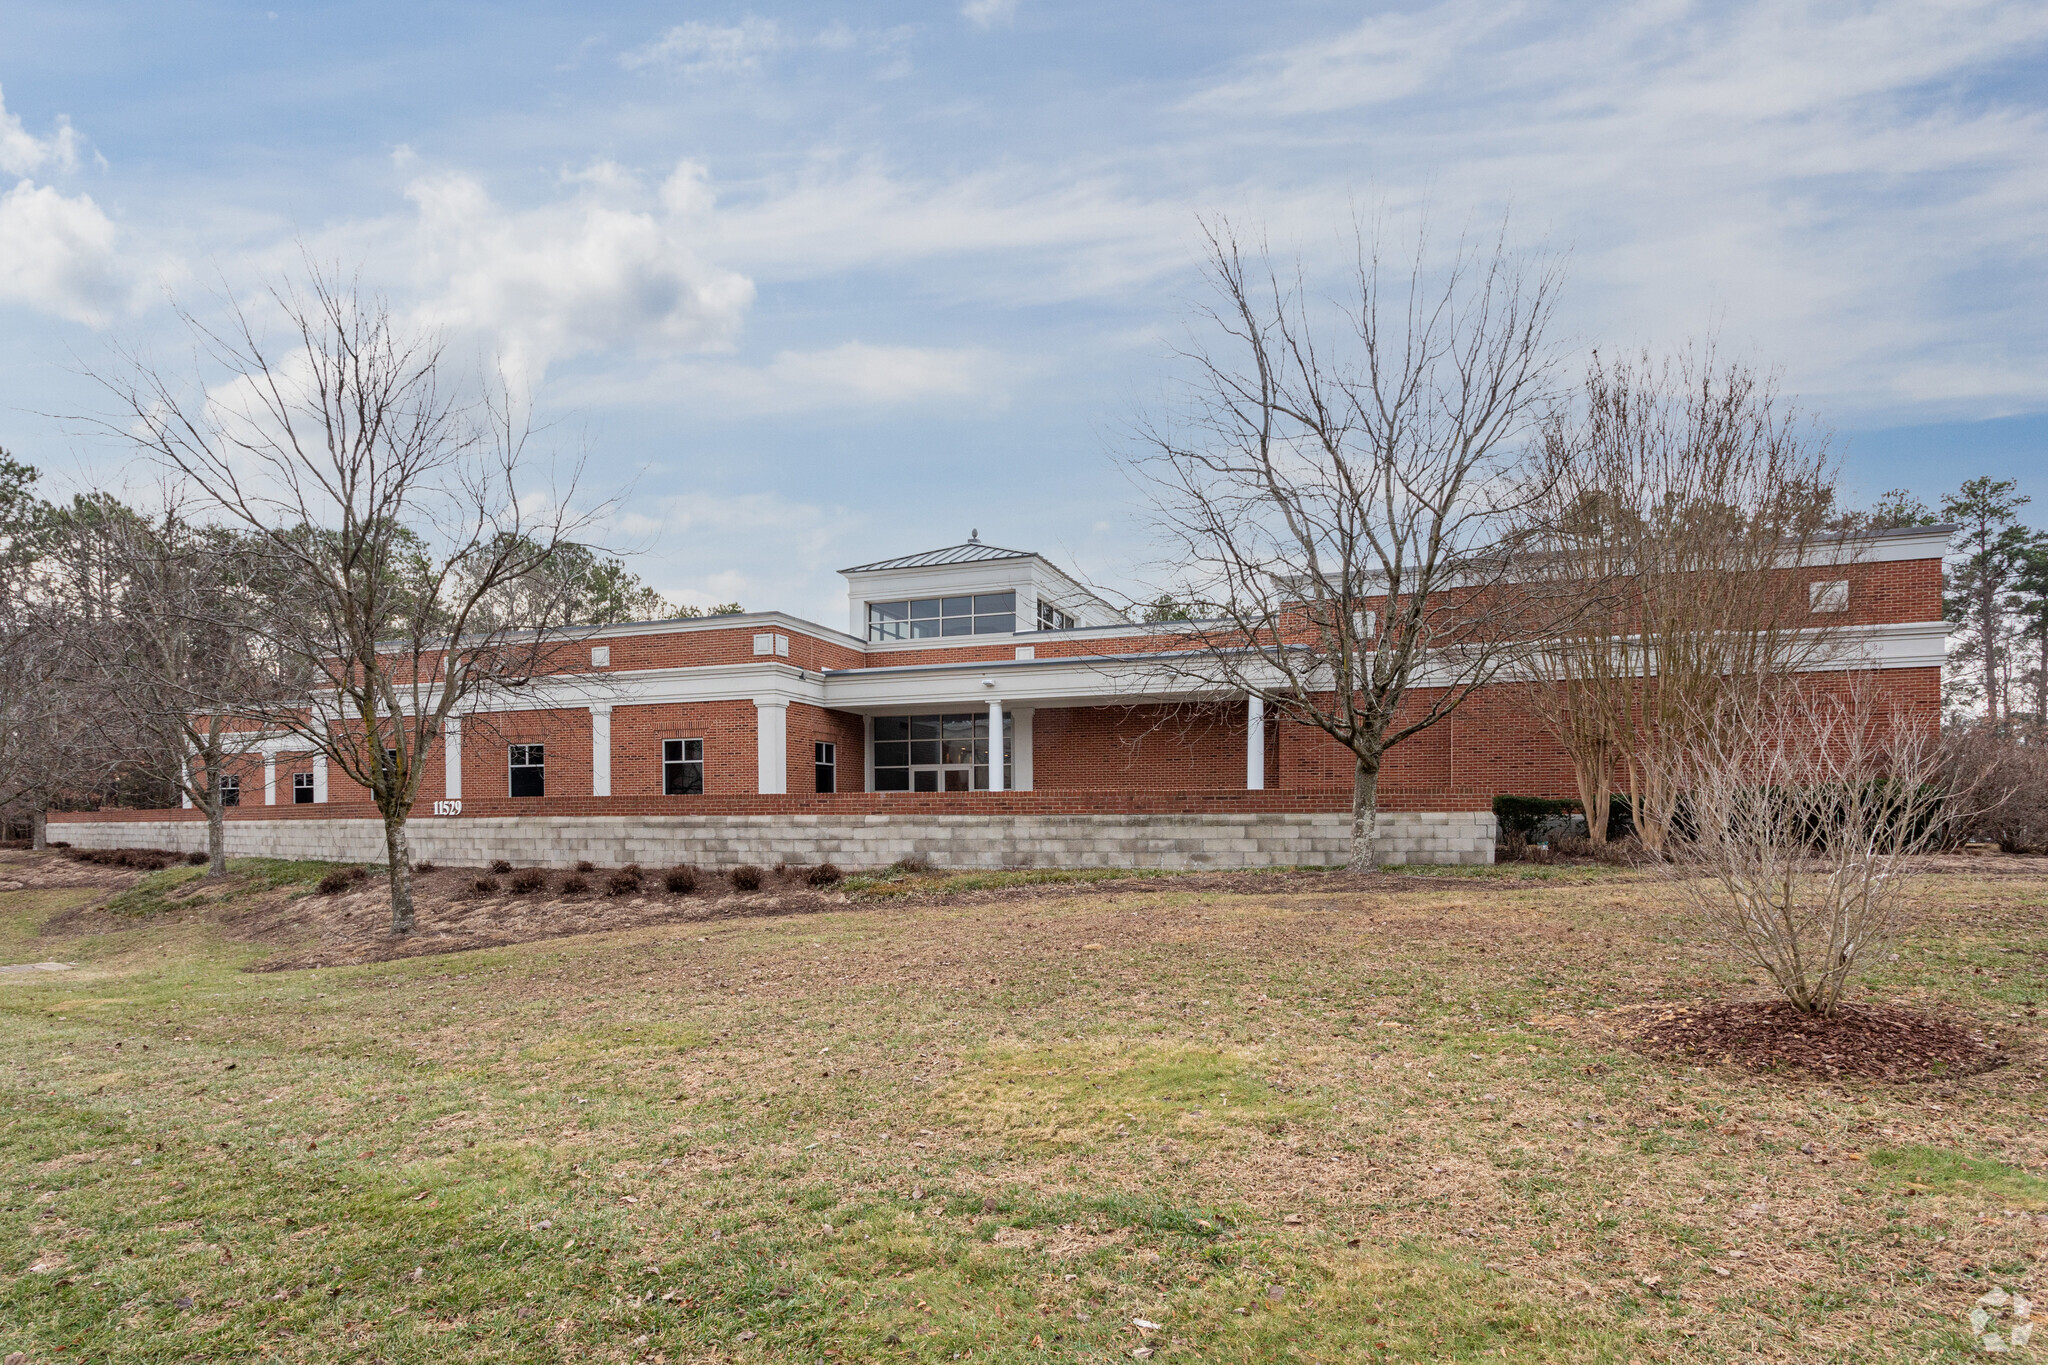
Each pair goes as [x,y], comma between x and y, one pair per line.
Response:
[1297,1120]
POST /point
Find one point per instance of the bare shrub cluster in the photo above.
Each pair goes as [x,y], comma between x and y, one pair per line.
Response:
[2008,773]
[1807,811]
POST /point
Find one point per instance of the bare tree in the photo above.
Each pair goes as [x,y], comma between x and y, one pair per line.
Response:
[49,696]
[1681,509]
[1809,808]
[1331,485]
[387,501]
[172,614]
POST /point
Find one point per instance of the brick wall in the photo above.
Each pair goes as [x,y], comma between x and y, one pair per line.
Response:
[1137,747]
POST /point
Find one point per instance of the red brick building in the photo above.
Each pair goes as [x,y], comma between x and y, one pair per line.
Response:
[979,682]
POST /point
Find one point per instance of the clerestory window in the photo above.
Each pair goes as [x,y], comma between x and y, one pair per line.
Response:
[932,618]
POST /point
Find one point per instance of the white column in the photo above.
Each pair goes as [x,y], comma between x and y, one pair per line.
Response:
[269,777]
[867,753]
[319,779]
[601,748]
[995,746]
[1255,744]
[185,788]
[771,745]
[1020,747]
[451,758]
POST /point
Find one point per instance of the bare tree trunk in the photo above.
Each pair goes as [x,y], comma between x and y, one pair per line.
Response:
[1365,816]
[1596,787]
[397,849]
[1988,606]
[216,840]
[39,829]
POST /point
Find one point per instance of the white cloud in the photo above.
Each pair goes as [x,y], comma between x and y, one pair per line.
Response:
[851,375]
[1045,234]
[686,534]
[1853,188]
[58,254]
[988,13]
[700,49]
[23,153]
[612,266]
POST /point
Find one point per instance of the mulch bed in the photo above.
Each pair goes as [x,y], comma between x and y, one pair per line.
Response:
[1869,1042]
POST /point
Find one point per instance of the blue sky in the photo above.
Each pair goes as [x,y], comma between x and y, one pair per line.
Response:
[822,283]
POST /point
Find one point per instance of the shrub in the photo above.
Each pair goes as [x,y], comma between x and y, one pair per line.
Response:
[912,864]
[423,867]
[528,879]
[54,843]
[824,874]
[359,874]
[2002,788]
[484,886]
[1546,819]
[681,880]
[197,859]
[499,867]
[622,883]
[632,870]
[586,866]
[745,877]
[335,882]
[780,869]
[574,884]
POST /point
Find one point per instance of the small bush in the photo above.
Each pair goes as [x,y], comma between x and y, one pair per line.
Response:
[423,867]
[54,843]
[335,882]
[622,883]
[913,865]
[781,869]
[359,875]
[632,870]
[499,867]
[824,874]
[681,880]
[745,877]
[529,879]
[484,886]
[197,859]
[586,866]
[574,884]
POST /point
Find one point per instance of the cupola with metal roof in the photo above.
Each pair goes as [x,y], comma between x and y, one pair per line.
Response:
[958,592]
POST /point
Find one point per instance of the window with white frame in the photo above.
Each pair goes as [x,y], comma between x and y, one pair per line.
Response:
[825,765]
[1051,617]
[1832,595]
[930,618]
[231,791]
[302,789]
[527,770]
[682,767]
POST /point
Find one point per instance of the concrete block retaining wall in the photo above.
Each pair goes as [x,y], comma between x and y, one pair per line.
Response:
[1169,841]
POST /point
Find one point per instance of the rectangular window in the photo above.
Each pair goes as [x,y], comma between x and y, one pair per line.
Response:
[231,791]
[682,767]
[529,770]
[1051,617]
[931,618]
[302,789]
[825,764]
[936,753]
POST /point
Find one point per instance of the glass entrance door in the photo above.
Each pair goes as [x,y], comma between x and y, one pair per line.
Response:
[942,753]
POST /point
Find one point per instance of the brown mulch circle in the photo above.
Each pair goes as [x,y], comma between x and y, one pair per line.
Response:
[1870,1042]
